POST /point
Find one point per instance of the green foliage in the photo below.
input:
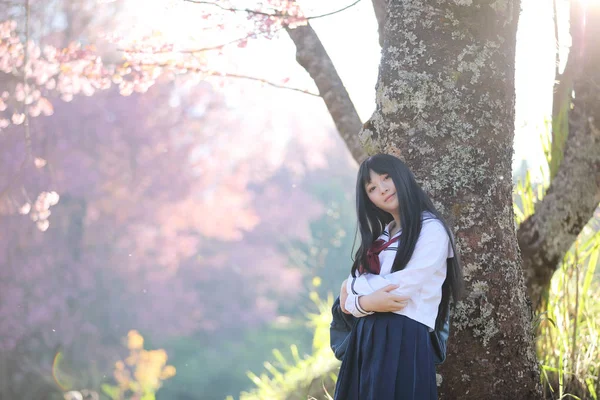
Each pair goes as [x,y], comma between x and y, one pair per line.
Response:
[554,144]
[327,254]
[525,195]
[568,338]
[567,325]
[313,376]
[310,377]
[217,366]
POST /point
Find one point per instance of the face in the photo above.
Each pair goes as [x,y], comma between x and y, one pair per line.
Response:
[382,192]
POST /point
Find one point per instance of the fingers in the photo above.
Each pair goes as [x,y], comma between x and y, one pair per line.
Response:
[402,303]
[388,288]
[397,304]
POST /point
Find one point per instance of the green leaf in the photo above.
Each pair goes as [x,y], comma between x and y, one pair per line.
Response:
[111,391]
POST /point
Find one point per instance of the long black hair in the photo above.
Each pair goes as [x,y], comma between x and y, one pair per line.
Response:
[413,202]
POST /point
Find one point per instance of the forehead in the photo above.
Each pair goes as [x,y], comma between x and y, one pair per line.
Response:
[373,177]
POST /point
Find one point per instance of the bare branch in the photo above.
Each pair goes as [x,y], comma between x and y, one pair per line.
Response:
[334,12]
[252,78]
[246,10]
[276,15]
[190,51]
[227,75]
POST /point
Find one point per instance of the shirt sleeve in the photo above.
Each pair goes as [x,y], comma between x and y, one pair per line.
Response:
[430,254]
[353,305]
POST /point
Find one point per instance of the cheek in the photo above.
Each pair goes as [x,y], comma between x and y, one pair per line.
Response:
[370,196]
[373,198]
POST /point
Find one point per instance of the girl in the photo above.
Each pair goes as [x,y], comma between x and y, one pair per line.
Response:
[399,287]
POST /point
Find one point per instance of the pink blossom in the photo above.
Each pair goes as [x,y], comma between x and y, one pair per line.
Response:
[18,118]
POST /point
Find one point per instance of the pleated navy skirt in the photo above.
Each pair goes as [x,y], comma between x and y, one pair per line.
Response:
[389,357]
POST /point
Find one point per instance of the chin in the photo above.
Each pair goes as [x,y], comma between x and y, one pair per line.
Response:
[390,208]
[392,205]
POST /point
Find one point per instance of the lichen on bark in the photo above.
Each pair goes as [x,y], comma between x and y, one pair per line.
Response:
[445,105]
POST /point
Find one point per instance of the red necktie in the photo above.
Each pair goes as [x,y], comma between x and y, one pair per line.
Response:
[373,254]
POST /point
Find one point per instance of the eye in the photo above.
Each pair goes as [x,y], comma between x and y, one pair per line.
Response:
[371,189]
[386,177]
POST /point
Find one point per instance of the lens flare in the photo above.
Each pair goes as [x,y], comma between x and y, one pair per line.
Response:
[60,378]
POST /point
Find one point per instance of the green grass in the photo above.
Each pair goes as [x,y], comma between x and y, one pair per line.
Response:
[567,325]
[568,333]
[311,376]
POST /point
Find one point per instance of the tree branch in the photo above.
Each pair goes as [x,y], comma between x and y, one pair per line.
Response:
[252,78]
[311,55]
[189,51]
[227,75]
[276,15]
[379,6]
[574,193]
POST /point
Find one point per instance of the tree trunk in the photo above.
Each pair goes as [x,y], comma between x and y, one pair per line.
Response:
[445,105]
[574,193]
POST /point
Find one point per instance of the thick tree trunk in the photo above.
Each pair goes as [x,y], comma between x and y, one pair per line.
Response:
[543,239]
[574,193]
[311,55]
[445,105]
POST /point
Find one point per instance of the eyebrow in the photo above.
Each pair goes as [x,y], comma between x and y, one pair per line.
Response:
[367,183]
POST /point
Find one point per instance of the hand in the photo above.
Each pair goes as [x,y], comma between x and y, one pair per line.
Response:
[343,297]
[384,301]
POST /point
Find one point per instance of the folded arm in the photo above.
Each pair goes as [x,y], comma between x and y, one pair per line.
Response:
[429,256]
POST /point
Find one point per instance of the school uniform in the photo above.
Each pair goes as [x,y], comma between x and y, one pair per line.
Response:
[389,355]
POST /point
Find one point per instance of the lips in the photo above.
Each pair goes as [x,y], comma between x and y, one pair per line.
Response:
[389,197]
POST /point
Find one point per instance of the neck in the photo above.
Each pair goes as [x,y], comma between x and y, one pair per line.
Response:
[396,226]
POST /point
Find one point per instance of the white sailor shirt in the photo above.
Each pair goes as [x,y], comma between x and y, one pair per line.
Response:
[421,280]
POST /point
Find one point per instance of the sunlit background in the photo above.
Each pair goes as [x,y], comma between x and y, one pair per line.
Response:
[351,40]
[174,230]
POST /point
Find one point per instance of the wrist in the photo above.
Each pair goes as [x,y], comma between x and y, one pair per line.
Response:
[364,303]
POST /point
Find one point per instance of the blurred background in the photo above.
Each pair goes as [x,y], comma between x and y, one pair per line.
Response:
[177,206]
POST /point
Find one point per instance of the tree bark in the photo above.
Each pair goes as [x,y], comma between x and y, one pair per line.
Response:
[311,55]
[445,105]
[379,7]
[574,193]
